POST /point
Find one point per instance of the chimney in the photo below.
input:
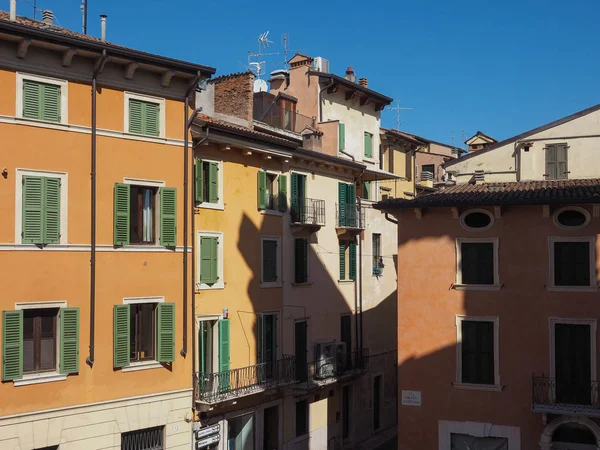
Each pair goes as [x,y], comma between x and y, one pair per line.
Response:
[479,177]
[13,10]
[103,27]
[363,82]
[350,75]
[47,17]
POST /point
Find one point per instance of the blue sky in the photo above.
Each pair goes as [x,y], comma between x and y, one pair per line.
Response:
[499,67]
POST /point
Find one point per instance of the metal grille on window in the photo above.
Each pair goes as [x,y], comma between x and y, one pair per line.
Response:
[146,439]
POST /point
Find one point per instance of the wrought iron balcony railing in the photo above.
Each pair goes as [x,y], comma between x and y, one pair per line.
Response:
[552,395]
[327,370]
[215,387]
[307,211]
[349,216]
[281,117]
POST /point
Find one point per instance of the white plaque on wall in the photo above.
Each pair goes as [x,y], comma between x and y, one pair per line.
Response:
[411,398]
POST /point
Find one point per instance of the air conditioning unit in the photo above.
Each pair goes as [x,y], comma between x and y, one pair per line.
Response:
[325,360]
[321,64]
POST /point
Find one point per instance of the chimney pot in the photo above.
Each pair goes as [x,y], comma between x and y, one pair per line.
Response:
[363,82]
[47,16]
[103,27]
[350,75]
[13,10]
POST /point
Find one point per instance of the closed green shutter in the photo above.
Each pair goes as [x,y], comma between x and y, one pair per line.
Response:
[69,340]
[199,182]
[213,185]
[151,119]
[352,257]
[50,104]
[301,260]
[33,210]
[351,212]
[51,217]
[562,166]
[224,351]
[262,190]
[135,117]
[551,162]
[341,204]
[368,145]
[208,259]
[294,196]
[121,336]
[121,210]
[12,345]
[166,332]
[168,217]
[342,136]
[282,197]
[342,260]
[32,100]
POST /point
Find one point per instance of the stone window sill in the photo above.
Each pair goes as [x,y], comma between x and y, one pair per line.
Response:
[142,365]
[37,378]
[271,212]
[479,387]
[477,287]
[572,288]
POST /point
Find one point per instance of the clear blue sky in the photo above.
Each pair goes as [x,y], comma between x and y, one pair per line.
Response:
[500,67]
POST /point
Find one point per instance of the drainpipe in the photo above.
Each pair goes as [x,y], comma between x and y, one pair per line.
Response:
[90,359]
[390,219]
[360,271]
[344,152]
[320,106]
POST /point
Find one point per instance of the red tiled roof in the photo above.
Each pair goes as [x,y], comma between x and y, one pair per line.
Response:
[497,194]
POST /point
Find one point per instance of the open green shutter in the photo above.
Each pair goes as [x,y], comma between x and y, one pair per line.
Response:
[342,260]
[151,125]
[262,190]
[294,195]
[168,217]
[341,204]
[352,257]
[260,338]
[368,145]
[352,218]
[366,190]
[33,210]
[199,184]
[12,345]
[342,136]
[50,104]
[135,117]
[224,351]
[166,332]
[561,162]
[214,259]
[51,216]
[551,162]
[121,210]
[69,340]
[213,185]
[32,100]
[121,336]
[282,195]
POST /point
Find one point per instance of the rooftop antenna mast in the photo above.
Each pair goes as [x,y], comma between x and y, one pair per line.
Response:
[398,108]
[258,66]
[84,10]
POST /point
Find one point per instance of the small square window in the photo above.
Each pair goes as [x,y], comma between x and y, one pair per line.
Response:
[208,188]
[39,340]
[301,418]
[144,118]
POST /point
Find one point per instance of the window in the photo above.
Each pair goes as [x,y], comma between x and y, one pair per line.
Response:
[342,136]
[477,262]
[476,219]
[267,342]
[347,209]
[41,210]
[208,189]
[477,350]
[301,418]
[299,211]
[137,212]
[37,340]
[42,98]
[144,330]
[271,261]
[557,162]
[368,145]
[366,190]
[572,218]
[348,259]
[240,433]
[144,115]
[377,258]
[272,191]
[572,262]
[209,272]
[301,261]
[146,439]
[206,338]
[428,168]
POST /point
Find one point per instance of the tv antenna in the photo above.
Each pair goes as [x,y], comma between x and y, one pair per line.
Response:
[258,67]
[398,108]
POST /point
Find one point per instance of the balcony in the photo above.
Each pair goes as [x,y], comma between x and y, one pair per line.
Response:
[307,212]
[281,117]
[550,395]
[348,217]
[217,387]
[329,370]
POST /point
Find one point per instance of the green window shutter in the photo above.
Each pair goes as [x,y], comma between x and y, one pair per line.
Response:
[342,136]
[151,124]
[352,257]
[562,166]
[168,217]
[69,340]
[294,196]
[199,184]
[213,185]
[262,190]
[166,332]
[33,210]
[351,218]
[135,116]
[224,350]
[341,204]
[551,162]
[282,195]
[51,216]
[301,260]
[342,260]
[50,104]
[12,345]
[366,190]
[368,145]
[121,210]
[209,259]
[32,93]
[121,336]
[202,355]
[260,339]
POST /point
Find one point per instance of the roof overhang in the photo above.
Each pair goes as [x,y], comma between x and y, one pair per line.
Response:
[376,174]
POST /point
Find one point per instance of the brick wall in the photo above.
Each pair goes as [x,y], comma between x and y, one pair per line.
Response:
[234,96]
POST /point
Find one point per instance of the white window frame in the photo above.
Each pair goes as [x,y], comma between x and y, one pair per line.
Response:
[150,99]
[447,428]
[220,284]
[43,377]
[273,212]
[459,285]
[64,202]
[64,95]
[592,323]
[149,183]
[583,211]
[480,387]
[591,240]
[279,282]
[208,318]
[220,205]
[476,210]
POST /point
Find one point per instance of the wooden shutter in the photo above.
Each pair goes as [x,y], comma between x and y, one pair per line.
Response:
[51,211]
[213,185]
[351,212]
[121,210]
[151,125]
[342,204]
[69,340]
[368,145]
[32,100]
[352,257]
[50,102]
[166,332]
[562,166]
[551,162]
[121,336]
[168,217]
[477,263]
[282,197]
[33,210]
[260,339]
[135,116]
[301,260]
[294,196]
[262,190]
[366,190]
[12,345]
[269,249]
[342,136]
[208,259]
[477,352]
[343,260]
[198,181]
[224,351]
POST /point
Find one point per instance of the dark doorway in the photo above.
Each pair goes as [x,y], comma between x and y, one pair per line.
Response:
[572,363]
[271,428]
[376,402]
[346,411]
[301,348]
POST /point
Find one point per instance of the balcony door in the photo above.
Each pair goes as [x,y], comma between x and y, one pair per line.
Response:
[267,344]
[298,197]
[572,363]
[301,348]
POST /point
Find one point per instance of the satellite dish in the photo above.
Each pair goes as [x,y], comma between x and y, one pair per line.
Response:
[260,85]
